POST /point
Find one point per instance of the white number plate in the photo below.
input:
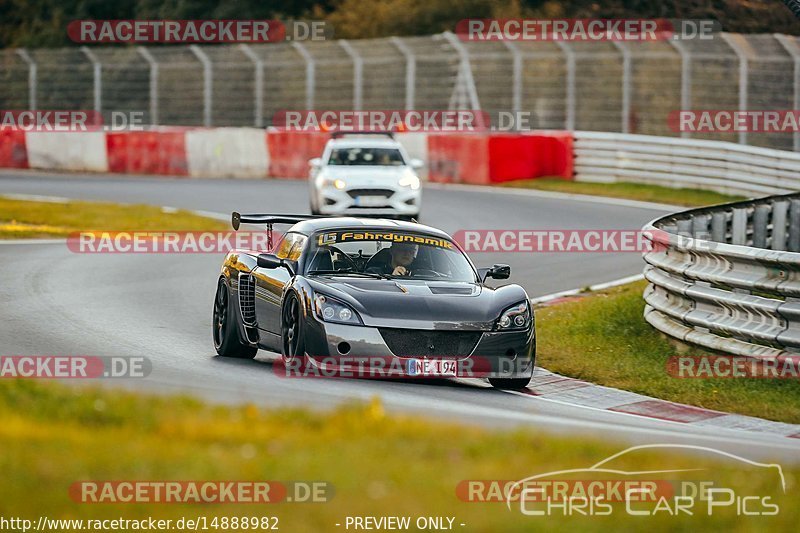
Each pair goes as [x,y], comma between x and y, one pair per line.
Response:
[431,367]
[370,201]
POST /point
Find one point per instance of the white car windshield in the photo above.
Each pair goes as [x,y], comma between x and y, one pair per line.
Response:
[366,156]
[379,253]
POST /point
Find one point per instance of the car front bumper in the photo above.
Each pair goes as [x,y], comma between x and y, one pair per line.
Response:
[363,351]
[399,201]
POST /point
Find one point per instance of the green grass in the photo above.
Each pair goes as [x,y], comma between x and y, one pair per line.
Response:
[378,464]
[630,191]
[33,219]
[603,338]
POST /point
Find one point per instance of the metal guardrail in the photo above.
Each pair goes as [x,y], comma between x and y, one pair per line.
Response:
[713,165]
[727,277]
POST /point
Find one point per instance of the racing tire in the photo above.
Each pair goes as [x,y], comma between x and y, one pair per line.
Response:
[292,342]
[225,330]
[510,383]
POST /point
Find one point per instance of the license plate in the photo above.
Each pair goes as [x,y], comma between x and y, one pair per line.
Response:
[370,201]
[431,367]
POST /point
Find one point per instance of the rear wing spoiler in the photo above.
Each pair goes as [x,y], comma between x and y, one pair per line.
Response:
[238,219]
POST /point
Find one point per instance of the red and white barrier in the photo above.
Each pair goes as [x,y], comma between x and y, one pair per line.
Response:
[477,158]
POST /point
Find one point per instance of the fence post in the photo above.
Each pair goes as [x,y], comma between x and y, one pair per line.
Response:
[569,117]
[98,78]
[626,85]
[516,83]
[358,72]
[310,71]
[258,89]
[411,71]
[32,72]
[790,45]
[145,53]
[686,78]
[740,52]
[207,83]
[466,69]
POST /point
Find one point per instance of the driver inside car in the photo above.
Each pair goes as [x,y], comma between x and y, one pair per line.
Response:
[401,255]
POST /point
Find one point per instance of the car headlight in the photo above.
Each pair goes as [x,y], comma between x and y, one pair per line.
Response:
[331,310]
[409,180]
[339,184]
[518,316]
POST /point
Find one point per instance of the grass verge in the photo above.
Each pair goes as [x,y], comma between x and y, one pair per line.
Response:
[22,219]
[378,464]
[603,338]
[630,191]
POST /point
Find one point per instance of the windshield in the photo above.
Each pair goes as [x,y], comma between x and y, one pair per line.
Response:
[366,156]
[387,254]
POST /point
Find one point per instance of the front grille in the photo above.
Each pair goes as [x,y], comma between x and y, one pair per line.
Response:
[247,298]
[426,343]
[384,193]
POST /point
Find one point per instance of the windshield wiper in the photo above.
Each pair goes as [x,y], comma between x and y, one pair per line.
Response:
[348,272]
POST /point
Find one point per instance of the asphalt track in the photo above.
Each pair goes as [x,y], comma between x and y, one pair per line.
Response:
[53,301]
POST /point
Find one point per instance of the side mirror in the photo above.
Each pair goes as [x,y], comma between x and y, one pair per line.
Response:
[316,162]
[268,261]
[499,271]
[416,163]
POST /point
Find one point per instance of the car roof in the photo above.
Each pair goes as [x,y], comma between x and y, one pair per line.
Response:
[307,227]
[361,141]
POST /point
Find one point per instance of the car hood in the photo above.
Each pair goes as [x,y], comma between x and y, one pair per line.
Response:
[421,304]
[365,175]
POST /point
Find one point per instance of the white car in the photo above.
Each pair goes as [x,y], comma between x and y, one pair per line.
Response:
[360,174]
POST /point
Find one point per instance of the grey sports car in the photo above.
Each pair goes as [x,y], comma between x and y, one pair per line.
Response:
[347,292]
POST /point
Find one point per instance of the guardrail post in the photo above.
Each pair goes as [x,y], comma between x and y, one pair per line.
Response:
[358,72]
[98,78]
[685,228]
[208,86]
[739,226]
[719,223]
[145,53]
[686,78]
[258,85]
[569,113]
[310,73]
[32,73]
[411,70]
[779,211]
[739,49]
[760,222]
[790,45]
[700,225]
[626,85]
[794,226]
[516,82]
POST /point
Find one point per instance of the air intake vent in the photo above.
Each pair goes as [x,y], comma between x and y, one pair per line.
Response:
[247,298]
[426,343]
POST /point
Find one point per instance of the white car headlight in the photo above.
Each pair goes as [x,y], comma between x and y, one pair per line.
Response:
[339,184]
[409,180]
